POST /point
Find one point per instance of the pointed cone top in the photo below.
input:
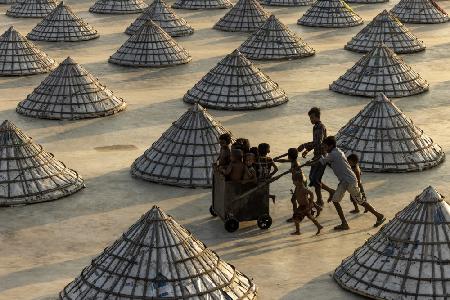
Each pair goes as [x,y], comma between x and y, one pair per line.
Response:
[202,4]
[380,70]
[68,93]
[274,41]
[165,17]
[31,175]
[386,140]
[287,2]
[177,266]
[31,8]
[236,84]
[150,46]
[407,257]
[62,25]
[184,154]
[419,11]
[245,16]
[330,13]
[430,195]
[386,28]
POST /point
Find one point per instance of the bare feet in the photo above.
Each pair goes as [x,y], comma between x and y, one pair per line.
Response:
[355,211]
[343,226]
[380,221]
[295,233]
[319,228]
[290,220]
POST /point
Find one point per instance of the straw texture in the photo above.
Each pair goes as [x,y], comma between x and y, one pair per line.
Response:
[31,8]
[118,7]
[158,259]
[70,93]
[28,174]
[419,11]
[367,1]
[274,40]
[19,57]
[165,17]
[150,47]
[330,13]
[62,25]
[386,140]
[386,28]
[236,84]
[408,258]
[7,1]
[201,4]
[245,16]
[380,70]
[184,154]
[287,2]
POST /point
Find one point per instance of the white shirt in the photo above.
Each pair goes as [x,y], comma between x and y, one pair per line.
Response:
[341,168]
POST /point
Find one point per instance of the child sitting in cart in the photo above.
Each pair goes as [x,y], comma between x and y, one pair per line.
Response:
[353,161]
[235,170]
[225,152]
[266,166]
[304,199]
[250,175]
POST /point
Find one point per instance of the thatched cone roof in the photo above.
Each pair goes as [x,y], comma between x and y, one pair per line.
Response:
[68,93]
[150,47]
[201,4]
[19,57]
[159,259]
[366,1]
[165,17]
[386,28]
[62,25]
[31,8]
[236,84]
[245,16]
[274,40]
[380,70]
[330,13]
[7,1]
[28,174]
[419,11]
[118,7]
[408,258]
[184,154]
[386,140]
[287,2]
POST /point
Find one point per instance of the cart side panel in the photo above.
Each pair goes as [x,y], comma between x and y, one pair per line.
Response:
[254,205]
[219,195]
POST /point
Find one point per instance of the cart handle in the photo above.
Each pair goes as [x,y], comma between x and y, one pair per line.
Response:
[263,184]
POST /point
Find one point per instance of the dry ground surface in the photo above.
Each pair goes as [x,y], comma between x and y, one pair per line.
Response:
[44,246]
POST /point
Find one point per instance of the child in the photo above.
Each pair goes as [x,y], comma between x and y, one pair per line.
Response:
[225,152]
[347,182]
[265,165]
[353,161]
[235,170]
[305,202]
[249,171]
[316,172]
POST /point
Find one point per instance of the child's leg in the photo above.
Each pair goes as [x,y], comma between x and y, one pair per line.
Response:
[337,197]
[294,206]
[355,205]
[328,189]
[297,228]
[356,194]
[319,227]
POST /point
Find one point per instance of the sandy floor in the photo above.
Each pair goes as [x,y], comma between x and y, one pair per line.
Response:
[44,246]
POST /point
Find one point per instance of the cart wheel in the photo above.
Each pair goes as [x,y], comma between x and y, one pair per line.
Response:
[212,212]
[231,225]
[264,222]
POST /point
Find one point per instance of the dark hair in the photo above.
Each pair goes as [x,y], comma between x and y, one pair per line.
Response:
[237,153]
[263,149]
[330,141]
[292,153]
[314,111]
[353,157]
[226,137]
[255,151]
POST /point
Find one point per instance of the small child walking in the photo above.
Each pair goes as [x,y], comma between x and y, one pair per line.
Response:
[353,161]
[305,202]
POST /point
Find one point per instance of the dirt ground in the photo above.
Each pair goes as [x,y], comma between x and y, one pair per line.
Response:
[44,246]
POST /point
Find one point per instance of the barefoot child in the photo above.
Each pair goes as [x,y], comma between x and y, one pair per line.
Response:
[347,182]
[249,170]
[225,152]
[266,167]
[235,170]
[305,203]
[353,161]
